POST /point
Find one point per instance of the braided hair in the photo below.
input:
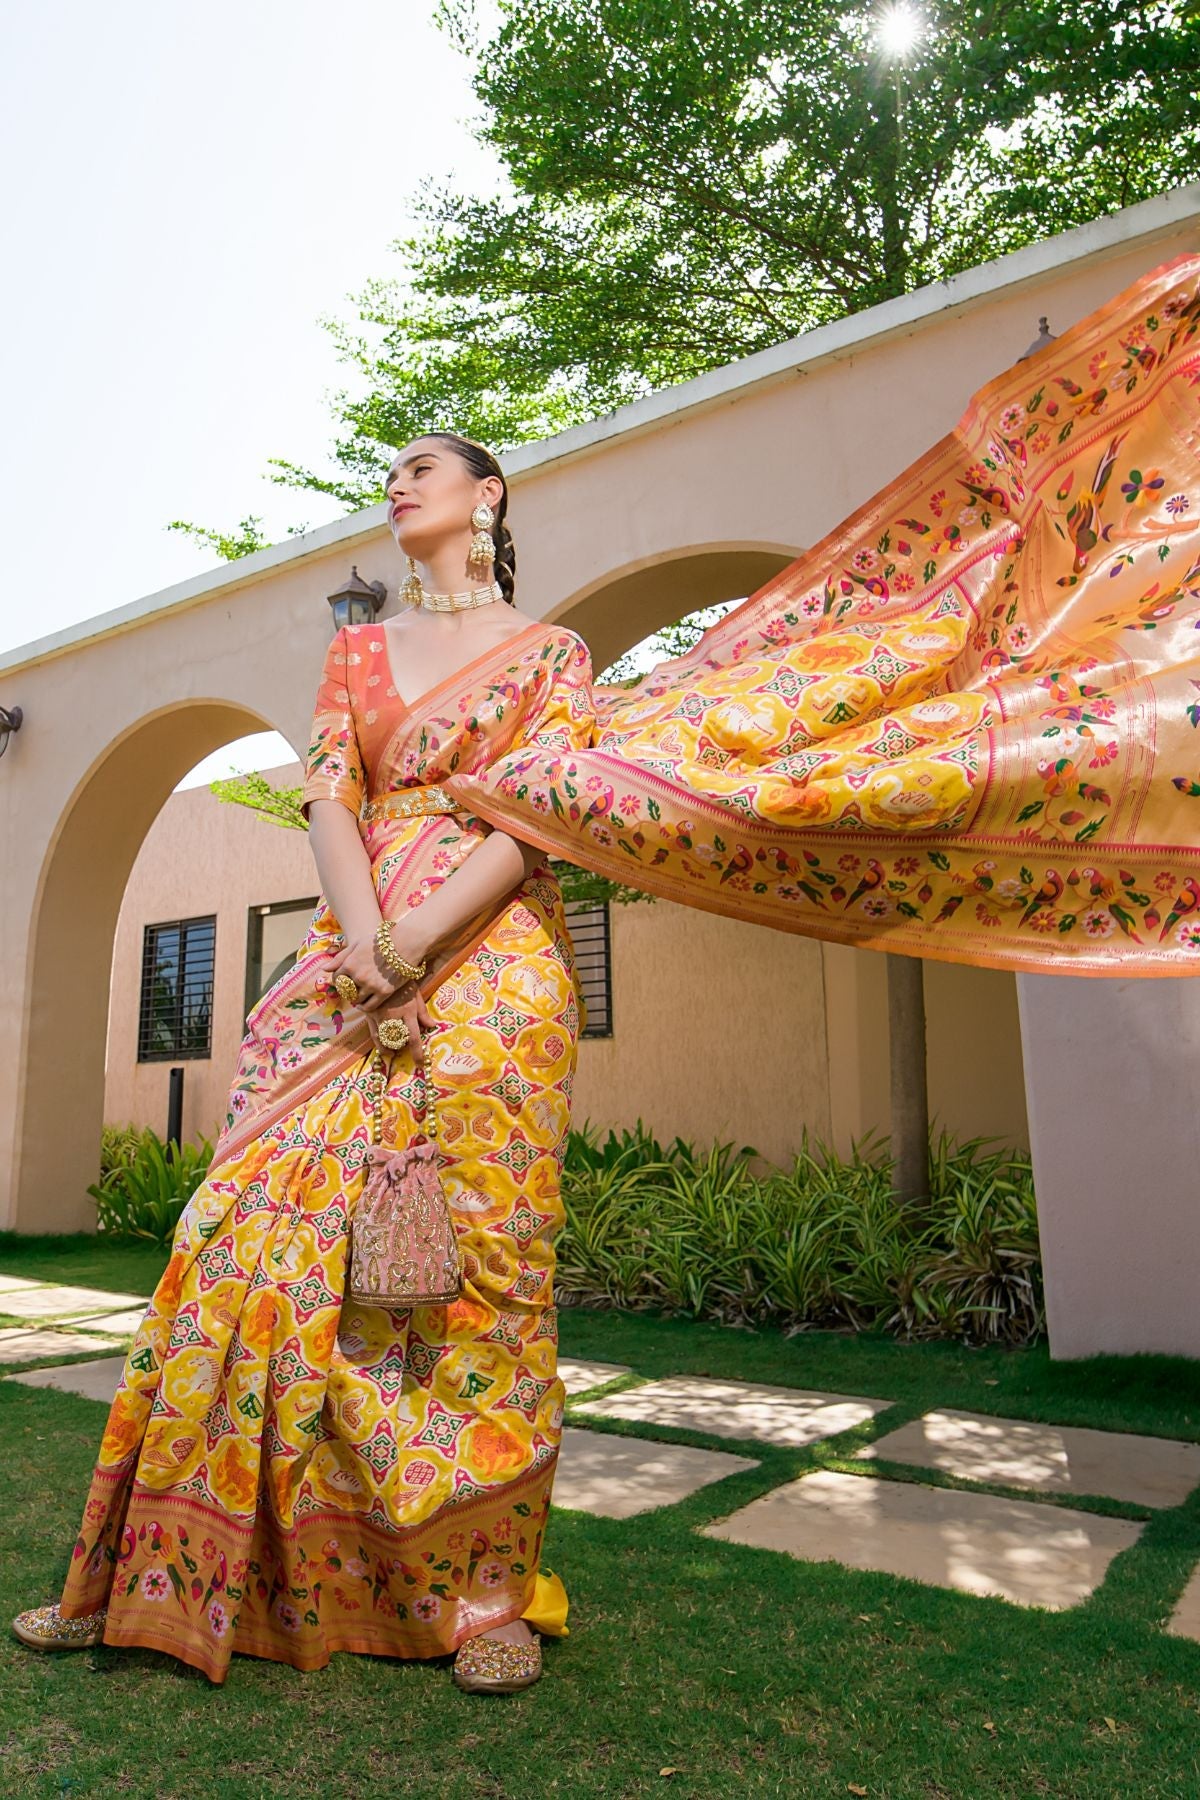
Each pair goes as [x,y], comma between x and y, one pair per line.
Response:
[482,463]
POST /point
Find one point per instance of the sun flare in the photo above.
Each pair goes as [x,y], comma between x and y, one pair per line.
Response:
[899,28]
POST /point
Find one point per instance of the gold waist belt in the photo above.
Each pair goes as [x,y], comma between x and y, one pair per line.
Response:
[408,803]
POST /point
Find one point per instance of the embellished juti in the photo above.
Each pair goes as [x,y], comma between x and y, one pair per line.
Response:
[286,1472]
[965,725]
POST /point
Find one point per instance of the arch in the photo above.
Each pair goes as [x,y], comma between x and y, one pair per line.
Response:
[85,870]
[627,603]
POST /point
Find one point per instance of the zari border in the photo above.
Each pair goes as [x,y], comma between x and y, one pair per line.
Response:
[404,1639]
[903,942]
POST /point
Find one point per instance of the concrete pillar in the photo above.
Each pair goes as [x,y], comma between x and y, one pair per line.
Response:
[1111,1074]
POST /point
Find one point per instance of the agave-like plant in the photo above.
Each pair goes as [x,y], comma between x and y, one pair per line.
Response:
[987,1263]
[601,1249]
[823,1242]
[120,1145]
[144,1197]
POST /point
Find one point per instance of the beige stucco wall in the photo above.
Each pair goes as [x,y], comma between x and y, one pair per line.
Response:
[694,494]
[718,1033]
[721,1030]
[974,1067]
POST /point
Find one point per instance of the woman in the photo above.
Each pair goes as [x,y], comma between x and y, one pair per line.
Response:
[284,1474]
[962,726]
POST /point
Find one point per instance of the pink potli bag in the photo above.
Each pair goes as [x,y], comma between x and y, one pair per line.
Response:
[403,1246]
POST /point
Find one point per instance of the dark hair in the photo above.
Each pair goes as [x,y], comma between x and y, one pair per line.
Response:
[482,463]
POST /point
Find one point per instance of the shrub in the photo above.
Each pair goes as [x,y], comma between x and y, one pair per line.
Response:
[146,1183]
[823,1243]
[120,1146]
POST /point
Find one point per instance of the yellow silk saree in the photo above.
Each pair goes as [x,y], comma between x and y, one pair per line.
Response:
[963,726]
[285,1472]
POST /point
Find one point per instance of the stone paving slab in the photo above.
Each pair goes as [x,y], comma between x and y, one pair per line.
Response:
[1058,1459]
[739,1409]
[117,1324]
[1185,1620]
[12,1284]
[619,1476]
[63,1302]
[94,1380]
[1034,1555]
[579,1374]
[18,1344]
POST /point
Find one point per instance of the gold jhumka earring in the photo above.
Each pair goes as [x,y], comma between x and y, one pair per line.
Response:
[483,547]
[412,591]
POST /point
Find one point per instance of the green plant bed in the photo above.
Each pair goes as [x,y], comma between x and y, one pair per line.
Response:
[706,1234]
[745,1672]
[824,1242]
[145,1183]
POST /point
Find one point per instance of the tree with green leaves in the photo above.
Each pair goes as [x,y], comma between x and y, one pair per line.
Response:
[692,180]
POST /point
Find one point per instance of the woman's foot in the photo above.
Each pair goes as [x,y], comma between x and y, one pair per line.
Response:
[499,1661]
[45,1629]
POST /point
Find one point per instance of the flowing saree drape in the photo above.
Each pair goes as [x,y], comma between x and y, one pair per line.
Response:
[965,726]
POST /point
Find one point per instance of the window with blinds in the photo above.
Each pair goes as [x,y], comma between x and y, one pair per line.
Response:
[589,929]
[175,1011]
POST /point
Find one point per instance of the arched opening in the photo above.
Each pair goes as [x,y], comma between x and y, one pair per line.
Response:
[630,603]
[60,1107]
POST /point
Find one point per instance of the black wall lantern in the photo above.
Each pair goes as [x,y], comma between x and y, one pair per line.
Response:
[357,601]
[10,721]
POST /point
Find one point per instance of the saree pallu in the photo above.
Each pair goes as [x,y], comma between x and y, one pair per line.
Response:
[286,1472]
[964,725]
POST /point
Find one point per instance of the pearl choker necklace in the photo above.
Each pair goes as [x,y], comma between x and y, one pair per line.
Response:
[457,602]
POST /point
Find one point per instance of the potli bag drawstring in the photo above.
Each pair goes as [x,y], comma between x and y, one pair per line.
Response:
[403,1246]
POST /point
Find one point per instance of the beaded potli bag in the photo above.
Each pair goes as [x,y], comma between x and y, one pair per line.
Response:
[403,1246]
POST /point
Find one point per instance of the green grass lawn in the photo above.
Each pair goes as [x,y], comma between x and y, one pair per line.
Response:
[82,1260]
[693,1666]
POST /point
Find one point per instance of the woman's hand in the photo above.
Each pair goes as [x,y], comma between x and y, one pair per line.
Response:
[381,993]
[376,983]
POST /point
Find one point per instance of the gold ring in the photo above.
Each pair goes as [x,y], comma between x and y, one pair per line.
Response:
[393,1034]
[347,987]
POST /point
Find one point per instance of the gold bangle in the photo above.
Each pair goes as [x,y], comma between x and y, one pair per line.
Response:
[392,957]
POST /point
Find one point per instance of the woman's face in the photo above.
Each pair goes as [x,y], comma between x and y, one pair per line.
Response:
[432,494]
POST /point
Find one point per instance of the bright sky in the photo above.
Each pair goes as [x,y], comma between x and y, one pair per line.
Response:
[189,190]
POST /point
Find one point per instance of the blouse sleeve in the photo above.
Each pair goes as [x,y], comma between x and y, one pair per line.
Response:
[334,766]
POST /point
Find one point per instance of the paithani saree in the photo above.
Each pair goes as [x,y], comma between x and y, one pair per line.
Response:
[285,1472]
[965,725]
